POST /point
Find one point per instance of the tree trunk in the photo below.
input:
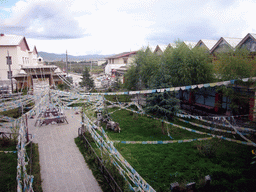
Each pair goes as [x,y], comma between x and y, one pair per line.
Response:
[163,128]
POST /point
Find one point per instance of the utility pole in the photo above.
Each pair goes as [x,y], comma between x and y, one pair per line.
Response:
[91,67]
[67,62]
[9,62]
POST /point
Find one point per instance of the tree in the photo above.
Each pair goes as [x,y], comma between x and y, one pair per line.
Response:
[163,105]
[236,64]
[187,66]
[143,71]
[87,80]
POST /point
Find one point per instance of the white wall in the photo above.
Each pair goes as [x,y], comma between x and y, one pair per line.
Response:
[3,65]
[109,67]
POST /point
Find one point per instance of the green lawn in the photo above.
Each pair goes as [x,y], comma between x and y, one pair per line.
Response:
[227,163]
[161,165]
[141,128]
[8,166]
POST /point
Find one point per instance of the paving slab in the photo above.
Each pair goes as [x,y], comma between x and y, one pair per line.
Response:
[63,167]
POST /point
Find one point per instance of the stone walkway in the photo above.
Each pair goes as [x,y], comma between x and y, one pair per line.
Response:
[62,165]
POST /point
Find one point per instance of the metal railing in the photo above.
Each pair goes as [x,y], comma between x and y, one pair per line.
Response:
[98,161]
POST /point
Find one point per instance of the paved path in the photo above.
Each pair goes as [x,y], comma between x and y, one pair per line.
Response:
[62,165]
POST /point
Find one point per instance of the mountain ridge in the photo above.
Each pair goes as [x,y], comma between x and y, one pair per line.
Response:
[62,57]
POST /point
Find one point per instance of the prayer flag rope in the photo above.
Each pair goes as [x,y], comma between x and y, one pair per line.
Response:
[173,88]
[117,157]
[199,132]
[212,122]
[162,142]
[8,151]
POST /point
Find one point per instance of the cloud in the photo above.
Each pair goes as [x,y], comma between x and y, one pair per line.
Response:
[43,19]
[195,20]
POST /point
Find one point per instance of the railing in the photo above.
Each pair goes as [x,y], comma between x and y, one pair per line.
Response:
[6,135]
[98,161]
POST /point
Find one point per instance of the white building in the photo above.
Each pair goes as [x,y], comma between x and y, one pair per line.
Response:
[19,53]
[115,62]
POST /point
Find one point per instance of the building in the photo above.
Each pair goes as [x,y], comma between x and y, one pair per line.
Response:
[206,43]
[25,63]
[248,42]
[119,60]
[225,44]
[19,54]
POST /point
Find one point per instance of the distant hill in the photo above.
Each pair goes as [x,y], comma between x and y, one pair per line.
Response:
[58,57]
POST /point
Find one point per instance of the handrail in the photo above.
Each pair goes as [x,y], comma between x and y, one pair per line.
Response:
[109,178]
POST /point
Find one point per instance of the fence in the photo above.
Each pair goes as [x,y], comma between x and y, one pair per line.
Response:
[98,161]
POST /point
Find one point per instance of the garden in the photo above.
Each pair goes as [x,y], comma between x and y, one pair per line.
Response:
[181,154]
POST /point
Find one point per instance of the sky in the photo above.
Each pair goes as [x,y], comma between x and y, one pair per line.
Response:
[106,27]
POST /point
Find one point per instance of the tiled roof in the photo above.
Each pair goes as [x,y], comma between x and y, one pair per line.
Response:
[10,40]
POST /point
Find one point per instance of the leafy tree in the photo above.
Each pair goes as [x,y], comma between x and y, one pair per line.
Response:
[131,78]
[142,72]
[187,66]
[236,64]
[116,85]
[87,80]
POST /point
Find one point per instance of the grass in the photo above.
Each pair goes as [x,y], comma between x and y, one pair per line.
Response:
[90,160]
[120,98]
[227,163]
[8,166]
[17,112]
[161,165]
[133,128]
[35,169]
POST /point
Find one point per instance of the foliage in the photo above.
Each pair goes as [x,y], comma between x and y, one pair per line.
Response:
[87,80]
[8,166]
[64,85]
[35,168]
[90,160]
[236,64]
[175,67]
[132,78]
[116,85]
[161,165]
[186,66]
[163,105]
[143,71]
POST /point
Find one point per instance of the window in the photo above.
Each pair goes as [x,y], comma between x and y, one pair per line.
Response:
[125,60]
[9,60]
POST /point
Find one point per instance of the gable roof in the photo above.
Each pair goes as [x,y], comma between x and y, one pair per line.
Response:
[249,35]
[12,40]
[190,44]
[232,42]
[207,43]
[160,47]
[173,45]
[124,54]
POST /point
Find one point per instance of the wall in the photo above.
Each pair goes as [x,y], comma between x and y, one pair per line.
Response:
[3,65]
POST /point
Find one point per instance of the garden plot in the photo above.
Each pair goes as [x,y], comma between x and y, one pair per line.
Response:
[226,162]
